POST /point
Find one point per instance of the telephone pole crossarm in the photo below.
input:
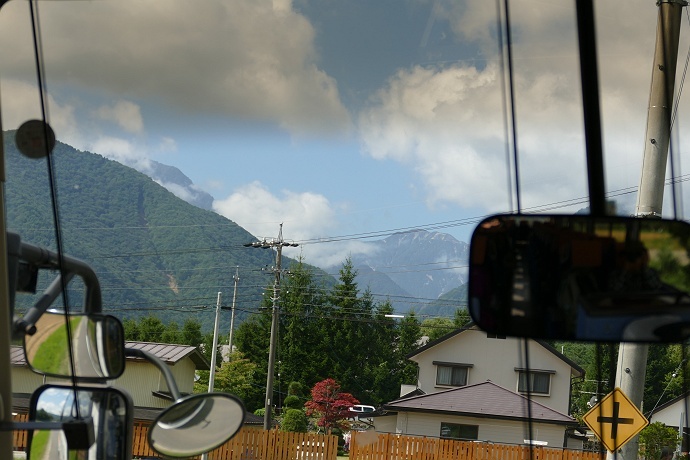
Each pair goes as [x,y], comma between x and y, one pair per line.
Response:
[278,245]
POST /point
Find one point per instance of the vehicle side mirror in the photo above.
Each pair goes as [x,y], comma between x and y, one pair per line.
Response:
[196,424]
[581,278]
[97,344]
[82,411]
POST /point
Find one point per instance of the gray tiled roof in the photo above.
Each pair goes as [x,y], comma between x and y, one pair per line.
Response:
[481,400]
[169,353]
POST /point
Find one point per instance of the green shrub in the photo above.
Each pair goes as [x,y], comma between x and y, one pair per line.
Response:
[292,402]
[294,420]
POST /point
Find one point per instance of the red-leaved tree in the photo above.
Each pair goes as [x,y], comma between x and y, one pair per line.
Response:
[330,403]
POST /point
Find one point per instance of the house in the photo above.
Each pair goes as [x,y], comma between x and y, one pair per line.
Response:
[674,414]
[472,385]
[482,411]
[142,380]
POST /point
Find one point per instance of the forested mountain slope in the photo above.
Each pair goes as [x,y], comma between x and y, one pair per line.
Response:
[153,252]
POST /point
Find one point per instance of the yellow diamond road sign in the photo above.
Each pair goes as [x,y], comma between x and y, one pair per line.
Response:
[615,420]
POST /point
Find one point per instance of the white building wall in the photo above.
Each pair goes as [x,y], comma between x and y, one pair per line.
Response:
[385,424]
[494,430]
[496,360]
[141,378]
[671,415]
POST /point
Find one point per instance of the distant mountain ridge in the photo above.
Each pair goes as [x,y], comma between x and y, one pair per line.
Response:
[415,269]
[436,262]
[155,253]
[180,185]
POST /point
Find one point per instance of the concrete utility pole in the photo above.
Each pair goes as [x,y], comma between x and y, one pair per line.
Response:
[214,350]
[278,245]
[236,278]
[632,357]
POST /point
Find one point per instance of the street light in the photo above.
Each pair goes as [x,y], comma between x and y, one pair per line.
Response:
[278,244]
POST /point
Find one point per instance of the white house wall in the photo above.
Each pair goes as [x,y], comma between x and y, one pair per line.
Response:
[671,415]
[496,360]
[141,378]
[494,430]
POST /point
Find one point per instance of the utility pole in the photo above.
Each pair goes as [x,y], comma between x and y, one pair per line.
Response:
[232,310]
[632,357]
[278,245]
[212,375]
[214,350]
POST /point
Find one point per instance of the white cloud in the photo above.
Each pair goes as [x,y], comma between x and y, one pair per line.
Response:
[126,114]
[121,150]
[448,122]
[305,216]
[21,102]
[251,59]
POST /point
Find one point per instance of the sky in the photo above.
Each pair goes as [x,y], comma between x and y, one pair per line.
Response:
[343,118]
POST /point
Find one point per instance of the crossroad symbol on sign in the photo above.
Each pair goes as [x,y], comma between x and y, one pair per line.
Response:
[615,420]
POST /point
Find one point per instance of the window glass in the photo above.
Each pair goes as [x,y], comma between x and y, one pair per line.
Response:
[459,431]
[451,375]
[539,382]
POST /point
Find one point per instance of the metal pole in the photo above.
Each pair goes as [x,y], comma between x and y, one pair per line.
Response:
[274,334]
[632,357]
[232,311]
[214,350]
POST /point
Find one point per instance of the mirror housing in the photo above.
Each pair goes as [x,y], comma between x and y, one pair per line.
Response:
[577,277]
[106,411]
[97,344]
[196,424]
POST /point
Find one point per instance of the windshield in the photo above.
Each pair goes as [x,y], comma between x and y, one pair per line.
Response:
[359,144]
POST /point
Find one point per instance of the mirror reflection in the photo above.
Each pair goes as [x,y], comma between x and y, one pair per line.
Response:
[196,424]
[97,343]
[581,278]
[110,410]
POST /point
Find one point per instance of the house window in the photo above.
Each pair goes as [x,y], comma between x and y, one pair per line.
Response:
[451,374]
[536,382]
[495,336]
[458,431]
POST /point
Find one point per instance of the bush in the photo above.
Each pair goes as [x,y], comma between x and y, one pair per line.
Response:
[294,420]
[655,437]
[292,402]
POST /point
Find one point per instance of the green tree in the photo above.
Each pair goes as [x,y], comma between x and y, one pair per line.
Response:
[294,420]
[151,329]
[251,338]
[171,334]
[301,327]
[191,333]
[131,329]
[435,328]
[408,341]
[235,376]
[461,318]
[655,437]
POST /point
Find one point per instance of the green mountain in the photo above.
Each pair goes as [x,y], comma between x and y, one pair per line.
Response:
[447,303]
[153,252]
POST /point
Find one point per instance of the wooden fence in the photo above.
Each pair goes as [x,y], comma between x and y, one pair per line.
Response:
[248,444]
[258,444]
[384,446]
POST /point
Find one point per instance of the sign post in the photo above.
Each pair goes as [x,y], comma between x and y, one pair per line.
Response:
[615,420]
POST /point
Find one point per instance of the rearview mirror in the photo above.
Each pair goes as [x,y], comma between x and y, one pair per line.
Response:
[196,424]
[108,411]
[581,278]
[97,344]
